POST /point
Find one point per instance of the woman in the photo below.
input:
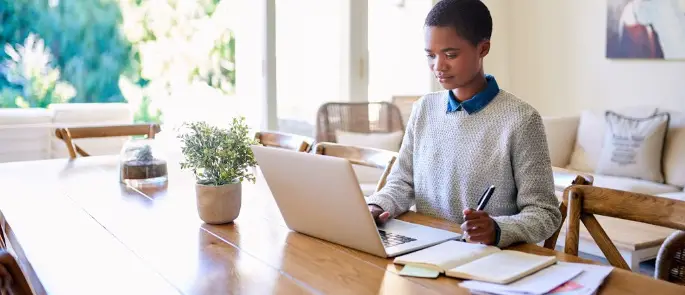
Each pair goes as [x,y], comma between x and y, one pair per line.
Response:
[460,141]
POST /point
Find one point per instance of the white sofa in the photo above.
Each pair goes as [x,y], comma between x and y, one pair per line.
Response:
[564,146]
[575,143]
[28,134]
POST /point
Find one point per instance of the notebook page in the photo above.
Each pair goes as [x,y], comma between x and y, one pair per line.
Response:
[541,282]
[446,255]
[502,267]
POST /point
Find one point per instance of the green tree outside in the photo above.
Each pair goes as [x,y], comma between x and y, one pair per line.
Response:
[88,49]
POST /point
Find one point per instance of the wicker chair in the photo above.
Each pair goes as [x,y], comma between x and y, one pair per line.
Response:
[670,261]
[355,117]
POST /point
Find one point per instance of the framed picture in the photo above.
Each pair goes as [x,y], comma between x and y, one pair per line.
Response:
[646,29]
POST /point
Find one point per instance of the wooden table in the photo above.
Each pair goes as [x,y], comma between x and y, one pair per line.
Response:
[76,230]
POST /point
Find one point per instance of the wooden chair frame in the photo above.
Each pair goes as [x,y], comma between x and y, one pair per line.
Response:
[369,157]
[20,285]
[285,140]
[68,134]
[551,242]
[584,201]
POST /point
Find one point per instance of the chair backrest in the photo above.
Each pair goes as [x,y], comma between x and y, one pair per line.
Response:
[670,260]
[369,157]
[584,201]
[581,179]
[20,285]
[68,134]
[284,140]
[361,117]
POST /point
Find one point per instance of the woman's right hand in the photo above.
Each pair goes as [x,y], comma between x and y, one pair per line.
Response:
[379,215]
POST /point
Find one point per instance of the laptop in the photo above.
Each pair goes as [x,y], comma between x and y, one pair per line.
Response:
[320,196]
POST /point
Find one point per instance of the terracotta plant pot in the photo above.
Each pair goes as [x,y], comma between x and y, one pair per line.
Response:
[218,204]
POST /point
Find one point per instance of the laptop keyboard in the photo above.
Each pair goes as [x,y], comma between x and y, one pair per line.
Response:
[390,239]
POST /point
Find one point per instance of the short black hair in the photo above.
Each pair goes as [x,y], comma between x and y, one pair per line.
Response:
[470,18]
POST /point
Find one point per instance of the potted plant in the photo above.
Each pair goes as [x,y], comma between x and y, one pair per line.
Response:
[220,160]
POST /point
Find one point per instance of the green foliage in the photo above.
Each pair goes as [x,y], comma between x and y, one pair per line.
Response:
[32,81]
[85,39]
[158,47]
[145,113]
[218,70]
[218,156]
[182,42]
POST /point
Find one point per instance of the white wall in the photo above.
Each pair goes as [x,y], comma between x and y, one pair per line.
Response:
[556,60]
[497,62]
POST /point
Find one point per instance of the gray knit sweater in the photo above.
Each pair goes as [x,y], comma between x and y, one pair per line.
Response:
[447,160]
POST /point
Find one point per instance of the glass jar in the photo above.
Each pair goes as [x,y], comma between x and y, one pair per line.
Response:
[142,163]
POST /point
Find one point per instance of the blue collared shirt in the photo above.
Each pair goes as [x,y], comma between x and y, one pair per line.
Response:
[478,101]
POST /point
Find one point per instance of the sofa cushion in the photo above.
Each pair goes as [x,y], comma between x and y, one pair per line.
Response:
[24,116]
[633,185]
[590,136]
[368,177]
[389,141]
[563,178]
[674,150]
[25,134]
[91,112]
[633,147]
[561,138]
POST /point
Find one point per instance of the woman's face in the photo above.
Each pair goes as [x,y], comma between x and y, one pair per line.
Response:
[453,60]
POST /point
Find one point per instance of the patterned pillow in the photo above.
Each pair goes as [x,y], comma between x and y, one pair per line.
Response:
[633,147]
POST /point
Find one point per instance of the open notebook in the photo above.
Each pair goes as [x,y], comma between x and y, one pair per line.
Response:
[476,262]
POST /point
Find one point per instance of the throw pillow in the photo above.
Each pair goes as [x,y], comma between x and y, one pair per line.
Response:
[633,147]
[588,144]
[590,137]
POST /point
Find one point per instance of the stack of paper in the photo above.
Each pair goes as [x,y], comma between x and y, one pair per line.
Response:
[562,278]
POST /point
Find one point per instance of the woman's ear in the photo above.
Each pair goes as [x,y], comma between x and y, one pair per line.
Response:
[484,48]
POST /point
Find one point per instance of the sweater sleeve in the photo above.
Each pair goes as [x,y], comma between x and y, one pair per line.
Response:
[397,196]
[539,214]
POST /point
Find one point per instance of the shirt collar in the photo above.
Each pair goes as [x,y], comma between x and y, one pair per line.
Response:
[478,101]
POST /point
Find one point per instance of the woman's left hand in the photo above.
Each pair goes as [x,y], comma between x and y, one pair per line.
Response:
[479,227]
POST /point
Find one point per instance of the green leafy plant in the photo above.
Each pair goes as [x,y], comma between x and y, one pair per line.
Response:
[85,39]
[31,80]
[218,156]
